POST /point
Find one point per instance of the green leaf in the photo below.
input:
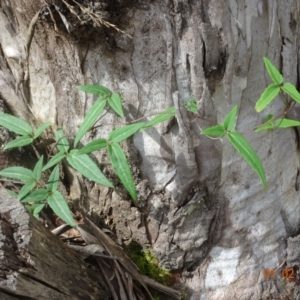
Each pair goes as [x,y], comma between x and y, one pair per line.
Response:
[83,164]
[62,141]
[245,150]
[286,123]
[121,134]
[161,117]
[92,146]
[15,124]
[28,207]
[37,171]
[60,207]
[19,173]
[217,130]
[53,180]
[26,188]
[90,119]
[40,129]
[229,120]
[121,167]
[19,142]
[191,105]
[95,89]
[267,96]
[292,91]
[115,103]
[268,126]
[37,195]
[269,117]
[280,123]
[38,208]
[273,72]
[54,160]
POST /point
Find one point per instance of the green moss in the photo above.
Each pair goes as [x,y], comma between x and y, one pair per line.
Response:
[147,263]
[184,295]
[156,297]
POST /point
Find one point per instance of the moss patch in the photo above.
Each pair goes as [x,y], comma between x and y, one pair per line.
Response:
[147,263]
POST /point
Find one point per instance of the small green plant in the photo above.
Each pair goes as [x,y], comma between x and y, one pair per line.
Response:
[191,105]
[33,189]
[237,140]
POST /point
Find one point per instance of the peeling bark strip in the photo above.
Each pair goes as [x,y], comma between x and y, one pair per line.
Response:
[211,51]
[34,264]
[186,166]
[24,78]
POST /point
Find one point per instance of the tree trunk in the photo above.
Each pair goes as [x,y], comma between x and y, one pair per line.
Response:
[201,207]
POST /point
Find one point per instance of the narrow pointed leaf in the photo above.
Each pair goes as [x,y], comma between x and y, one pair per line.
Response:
[28,207]
[19,142]
[37,171]
[246,151]
[273,72]
[229,121]
[15,124]
[122,169]
[115,103]
[92,146]
[53,180]
[217,131]
[83,164]
[268,126]
[161,117]
[19,173]
[62,141]
[292,91]
[38,208]
[37,195]
[95,89]
[40,129]
[267,96]
[60,207]
[26,188]
[54,160]
[286,123]
[90,119]
[121,134]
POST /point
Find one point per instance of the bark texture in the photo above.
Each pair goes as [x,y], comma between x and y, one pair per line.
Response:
[201,208]
[36,265]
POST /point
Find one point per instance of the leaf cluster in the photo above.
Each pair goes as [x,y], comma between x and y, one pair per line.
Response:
[35,193]
[237,140]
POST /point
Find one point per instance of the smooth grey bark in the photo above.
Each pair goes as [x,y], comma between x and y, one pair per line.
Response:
[202,208]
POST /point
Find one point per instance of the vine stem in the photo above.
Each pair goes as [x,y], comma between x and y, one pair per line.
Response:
[289,106]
